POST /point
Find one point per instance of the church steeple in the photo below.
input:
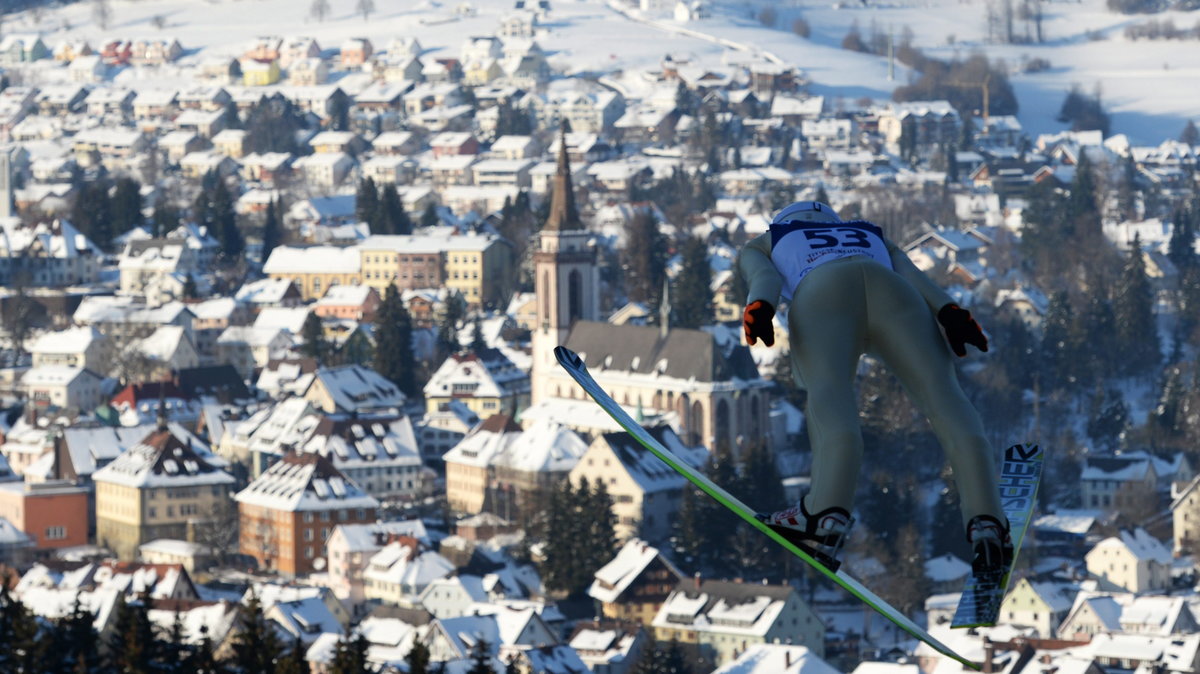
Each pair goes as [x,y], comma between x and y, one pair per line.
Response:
[563,214]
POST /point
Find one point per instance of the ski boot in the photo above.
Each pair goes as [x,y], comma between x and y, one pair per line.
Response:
[991,545]
[821,535]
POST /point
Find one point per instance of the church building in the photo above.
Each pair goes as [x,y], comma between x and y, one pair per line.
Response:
[709,388]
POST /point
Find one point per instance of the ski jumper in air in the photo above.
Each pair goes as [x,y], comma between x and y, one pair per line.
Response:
[850,291]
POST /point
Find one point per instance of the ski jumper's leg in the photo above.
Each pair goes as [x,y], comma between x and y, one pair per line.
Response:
[903,331]
[827,328]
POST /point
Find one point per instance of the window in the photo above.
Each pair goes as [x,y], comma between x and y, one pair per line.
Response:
[308,518]
[308,534]
[56,533]
[324,515]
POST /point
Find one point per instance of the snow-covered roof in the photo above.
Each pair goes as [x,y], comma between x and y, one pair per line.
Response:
[400,564]
[313,259]
[632,559]
[162,460]
[781,659]
[264,291]
[354,388]
[300,482]
[364,537]
[1139,543]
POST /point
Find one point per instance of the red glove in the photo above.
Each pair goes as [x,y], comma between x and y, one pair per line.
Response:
[757,322]
[961,329]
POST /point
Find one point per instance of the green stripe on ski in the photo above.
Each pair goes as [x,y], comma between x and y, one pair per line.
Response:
[575,366]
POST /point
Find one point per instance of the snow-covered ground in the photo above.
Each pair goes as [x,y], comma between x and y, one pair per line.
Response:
[1148,86]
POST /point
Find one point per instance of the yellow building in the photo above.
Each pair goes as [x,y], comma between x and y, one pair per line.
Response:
[257,73]
[157,489]
[478,266]
[486,383]
[315,268]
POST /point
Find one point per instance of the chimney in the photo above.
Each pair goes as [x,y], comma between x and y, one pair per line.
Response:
[787,657]
[989,652]
[696,580]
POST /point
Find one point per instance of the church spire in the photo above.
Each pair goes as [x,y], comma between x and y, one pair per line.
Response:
[563,214]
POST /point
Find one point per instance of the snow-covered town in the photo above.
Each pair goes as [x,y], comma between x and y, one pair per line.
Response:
[281,284]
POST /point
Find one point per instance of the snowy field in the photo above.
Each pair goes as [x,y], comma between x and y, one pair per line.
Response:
[1151,88]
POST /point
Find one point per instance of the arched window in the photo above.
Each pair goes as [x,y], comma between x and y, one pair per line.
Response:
[721,432]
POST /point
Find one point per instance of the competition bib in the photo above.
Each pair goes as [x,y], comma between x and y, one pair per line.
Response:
[799,247]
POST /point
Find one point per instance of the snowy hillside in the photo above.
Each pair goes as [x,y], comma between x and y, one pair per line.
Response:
[1148,86]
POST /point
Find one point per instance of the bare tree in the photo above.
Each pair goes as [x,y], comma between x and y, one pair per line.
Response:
[220,531]
[319,9]
[102,13]
[365,7]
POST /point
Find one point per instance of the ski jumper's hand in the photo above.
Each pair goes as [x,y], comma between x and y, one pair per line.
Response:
[757,322]
[961,329]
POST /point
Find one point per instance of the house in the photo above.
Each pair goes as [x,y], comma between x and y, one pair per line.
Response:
[395,143]
[169,348]
[389,169]
[57,386]
[199,164]
[266,167]
[270,293]
[325,171]
[468,465]
[159,488]
[298,48]
[788,659]
[1133,560]
[231,143]
[355,302]
[401,571]
[256,73]
[308,72]
[608,647]
[247,348]
[719,619]
[351,547]
[145,263]
[1038,604]
[352,389]
[453,144]
[355,52]
[84,347]
[288,512]
[1127,485]
[454,638]
[179,144]
[314,269]
[50,505]
[155,104]
[116,101]
[646,493]
[1097,613]
[486,382]
[18,48]
[633,586]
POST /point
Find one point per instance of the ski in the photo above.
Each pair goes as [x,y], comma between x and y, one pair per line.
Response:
[1020,475]
[575,367]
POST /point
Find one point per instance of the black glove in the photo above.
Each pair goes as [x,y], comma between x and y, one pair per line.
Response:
[757,322]
[961,329]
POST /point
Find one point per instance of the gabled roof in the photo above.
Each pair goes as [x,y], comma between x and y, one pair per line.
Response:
[643,350]
[632,559]
[161,459]
[300,482]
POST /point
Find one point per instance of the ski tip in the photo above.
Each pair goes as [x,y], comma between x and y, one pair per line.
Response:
[568,358]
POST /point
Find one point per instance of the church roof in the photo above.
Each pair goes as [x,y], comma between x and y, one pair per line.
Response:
[563,213]
[679,354]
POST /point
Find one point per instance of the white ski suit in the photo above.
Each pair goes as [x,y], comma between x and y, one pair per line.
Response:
[851,292]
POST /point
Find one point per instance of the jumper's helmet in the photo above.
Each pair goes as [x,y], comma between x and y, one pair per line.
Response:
[806,211]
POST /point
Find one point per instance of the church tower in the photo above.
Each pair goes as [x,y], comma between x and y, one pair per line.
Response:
[566,280]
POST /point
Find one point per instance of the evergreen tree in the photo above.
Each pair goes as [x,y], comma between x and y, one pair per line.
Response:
[350,655]
[271,126]
[418,658]
[645,260]
[366,206]
[909,586]
[578,533]
[1181,248]
[165,217]
[393,342]
[1133,310]
[662,658]
[481,658]
[692,296]
[79,646]
[294,660]
[1108,419]
[478,343]
[392,218]
[126,205]
[447,337]
[1190,135]
[430,217]
[224,223]
[946,529]
[256,646]
[133,648]
[1059,341]
[688,531]
[272,234]
[20,650]
[92,214]
[315,346]
[202,659]
[1099,324]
